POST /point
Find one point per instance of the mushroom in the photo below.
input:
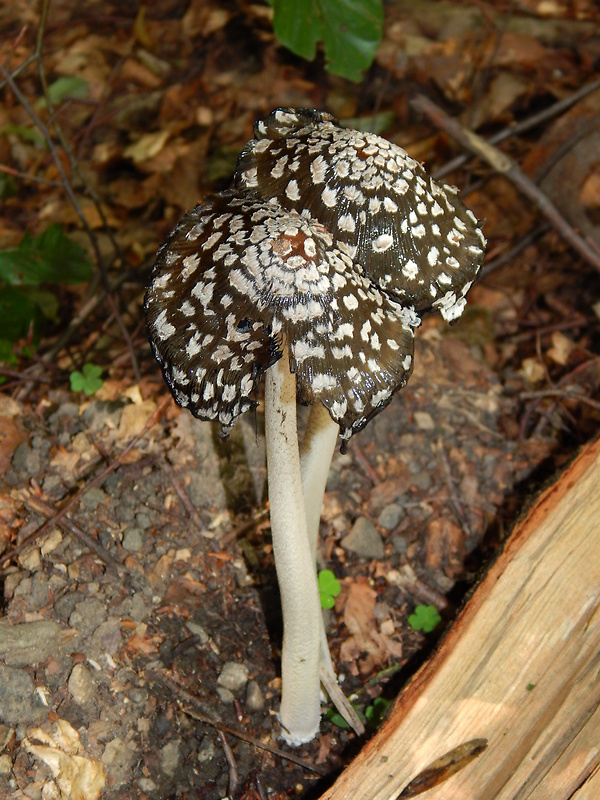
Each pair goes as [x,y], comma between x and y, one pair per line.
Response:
[241,288]
[313,271]
[414,238]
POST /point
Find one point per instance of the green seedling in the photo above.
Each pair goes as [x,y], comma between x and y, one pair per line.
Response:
[329,588]
[88,380]
[372,716]
[375,713]
[425,618]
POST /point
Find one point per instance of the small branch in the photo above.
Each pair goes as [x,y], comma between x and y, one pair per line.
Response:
[182,695]
[37,506]
[233,773]
[505,165]
[525,125]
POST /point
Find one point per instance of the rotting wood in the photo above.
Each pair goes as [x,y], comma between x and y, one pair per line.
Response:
[520,668]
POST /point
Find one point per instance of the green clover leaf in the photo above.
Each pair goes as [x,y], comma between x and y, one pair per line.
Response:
[329,588]
[425,619]
[88,380]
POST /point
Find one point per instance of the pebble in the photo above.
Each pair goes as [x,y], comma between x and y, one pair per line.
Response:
[146,784]
[234,676]
[132,539]
[399,544]
[424,421]
[28,644]
[206,751]
[422,480]
[107,636]
[170,756]
[143,520]
[88,614]
[25,459]
[364,540]
[92,499]
[34,591]
[226,696]
[19,700]
[255,699]
[390,516]
[81,685]
[118,759]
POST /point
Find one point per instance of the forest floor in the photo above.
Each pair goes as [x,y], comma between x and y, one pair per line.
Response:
[140,634]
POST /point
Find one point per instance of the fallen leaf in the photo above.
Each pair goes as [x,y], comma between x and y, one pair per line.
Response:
[77,777]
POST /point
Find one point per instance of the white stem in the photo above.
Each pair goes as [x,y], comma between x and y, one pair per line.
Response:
[296,573]
[316,453]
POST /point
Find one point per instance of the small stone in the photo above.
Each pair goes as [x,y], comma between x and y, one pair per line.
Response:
[87,616]
[6,765]
[422,480]
[81,685]
[399,544]
[107,636]
[92,499]
[28,643]
[118,759]
[226,696]
[146,784]
[132,539]
[143,520]
[170,756]
[390,516]
[234,676]
[206,751]
[19,700]
[198,630]
[255,699]
[364,540]
[424,421]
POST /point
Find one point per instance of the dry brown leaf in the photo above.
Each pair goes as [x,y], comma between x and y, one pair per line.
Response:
[366,644]
[77,777]
[134,419]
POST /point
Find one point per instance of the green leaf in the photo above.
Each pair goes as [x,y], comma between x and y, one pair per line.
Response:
[375,713]
[7,355]
[329,588]
[336,718]
[26,133]
[425,618]
[349,29]
[65,87]
[51,257]
[88,380]
[18,312]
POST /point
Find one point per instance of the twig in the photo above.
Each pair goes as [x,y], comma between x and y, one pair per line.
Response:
[509,255]
[56,518]
[181,493]
[505,165]
[38,506]
[521,127]
[365,464]
[561,394]
[181,695]
[452,493]
[233,773]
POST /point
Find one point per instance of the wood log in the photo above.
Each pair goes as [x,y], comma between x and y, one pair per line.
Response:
[520,667]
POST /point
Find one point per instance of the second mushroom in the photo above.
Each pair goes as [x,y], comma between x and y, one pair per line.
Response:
[313,271]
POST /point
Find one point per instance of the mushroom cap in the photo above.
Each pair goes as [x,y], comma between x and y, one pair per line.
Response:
[413,237]
[240,278]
